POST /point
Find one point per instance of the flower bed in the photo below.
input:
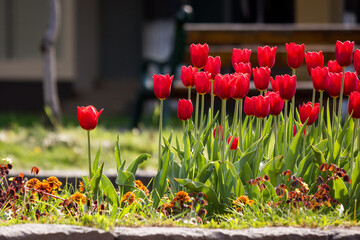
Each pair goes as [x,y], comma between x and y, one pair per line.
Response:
[275,162]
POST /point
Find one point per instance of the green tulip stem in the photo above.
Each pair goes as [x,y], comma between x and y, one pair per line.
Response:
[333,115]
[313,98]
[275,134]
[202,113]
[235,118]
[89,154]
[321,115]
[240,123]
[196,113]
[189,93]
[285,126]
[160,132]
[223,128]
[358,137]
[340,100]
[352,146]
[212,101]
[293,107]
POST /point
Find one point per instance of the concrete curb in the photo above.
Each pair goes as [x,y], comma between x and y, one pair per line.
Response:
[58,232]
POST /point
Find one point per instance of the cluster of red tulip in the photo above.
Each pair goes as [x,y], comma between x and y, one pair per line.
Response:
[332,78]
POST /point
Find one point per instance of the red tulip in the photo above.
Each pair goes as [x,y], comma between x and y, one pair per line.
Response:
[320,78]
[313,60]
[276,103]
[350,83]
[266,56]
[307,111]
[343,53]
[240,84]
[357,61]
[287,86]
[222,86]
[243,68]
[88,117]
[249,106]
[213,66]
[261,77]
[334,86]
[240,56]
[235,142]
[295,54]
[354,105]
[185,109]
[218,130]
[295,130]
[199,55]
[261,106]
[162,85]
[202,82]
[187,76]
[334,67]
[275,83]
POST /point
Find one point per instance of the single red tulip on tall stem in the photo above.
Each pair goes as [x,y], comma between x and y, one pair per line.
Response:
[187,78]
[307,111]
[295,54]
[320,78]
[213,66]
[266,56]
[199,55]
[202,86]
[88,119]
[334,67]
[261,78]
[314,60]
[343,55]
[162,88]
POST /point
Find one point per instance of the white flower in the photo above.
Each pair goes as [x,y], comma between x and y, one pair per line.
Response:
[5,161]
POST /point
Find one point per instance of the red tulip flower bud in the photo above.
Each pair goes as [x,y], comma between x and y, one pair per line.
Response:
[354,105]
[320,78]
[350,83]
[276,103]
[295,54]
[213,66]
[357,61]
[235,142]
[249,106]
[313,60]
[334,67]
[240,56]
[243,68]
[162,85]
[222,86]
[261,106]
[266,56]
[185,109]
[295,130]
[202,82]
[199,55]
[343,53]
[187,76]
[287,86]
[261,78]
[88,117]
[240,84]
[307,111]
[334,86]
[275,83]
[218,130]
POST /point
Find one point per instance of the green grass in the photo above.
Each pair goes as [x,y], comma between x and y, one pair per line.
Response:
[24,139]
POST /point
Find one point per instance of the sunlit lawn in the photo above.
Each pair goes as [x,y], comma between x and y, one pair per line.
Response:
[24,139]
